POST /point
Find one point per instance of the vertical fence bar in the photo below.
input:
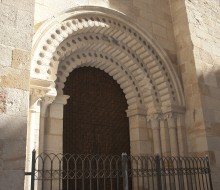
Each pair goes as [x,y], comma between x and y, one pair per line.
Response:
[158,171]
[51,175]
[60,175]
[125,171]
[33,169]
[209,173]
[42,184]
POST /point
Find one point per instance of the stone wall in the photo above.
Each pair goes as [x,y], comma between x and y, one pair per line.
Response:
[153,16]
[204,25]
[16,23]
[196,29]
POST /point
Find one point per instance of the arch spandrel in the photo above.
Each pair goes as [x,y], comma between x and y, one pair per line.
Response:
[153,80]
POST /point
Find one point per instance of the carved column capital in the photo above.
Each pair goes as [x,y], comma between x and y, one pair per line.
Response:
[46,101]
[61,99]
[36,95]
[171,118]
[169,115]
[56,108]
[136,111]
[154,116]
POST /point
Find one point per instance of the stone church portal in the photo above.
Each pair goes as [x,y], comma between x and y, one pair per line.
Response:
[87,75]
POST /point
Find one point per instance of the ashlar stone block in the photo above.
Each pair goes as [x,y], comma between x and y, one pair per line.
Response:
[27,5]
[21,59]
[12,179]
[8,15]
[14,78]
[14,154]
[2,101]
[17,102]
[13,128]
[6,56]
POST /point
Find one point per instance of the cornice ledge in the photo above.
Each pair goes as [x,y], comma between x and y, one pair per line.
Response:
[136,111]
[173,109]
[42,88]
[61,99]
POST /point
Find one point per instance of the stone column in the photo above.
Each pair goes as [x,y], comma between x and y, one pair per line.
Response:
[181,134]
[46,101]
[33,128]
[53,136]
[171,119]
[139,140]
[54,130]
[164,136]
[155,125]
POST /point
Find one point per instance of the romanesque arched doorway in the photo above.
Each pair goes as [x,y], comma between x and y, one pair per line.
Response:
[110,41]
[95,120]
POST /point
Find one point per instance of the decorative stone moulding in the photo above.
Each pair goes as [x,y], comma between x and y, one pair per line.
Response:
[112,42]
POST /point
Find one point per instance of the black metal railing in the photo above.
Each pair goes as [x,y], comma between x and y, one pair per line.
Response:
[119,172]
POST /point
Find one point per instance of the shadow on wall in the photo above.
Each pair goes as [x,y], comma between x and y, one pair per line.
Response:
[13,131]
[203,116]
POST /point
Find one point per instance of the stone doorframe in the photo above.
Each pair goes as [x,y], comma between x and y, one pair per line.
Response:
[112,42]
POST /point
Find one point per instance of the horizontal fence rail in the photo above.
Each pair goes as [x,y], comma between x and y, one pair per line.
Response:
[119,172]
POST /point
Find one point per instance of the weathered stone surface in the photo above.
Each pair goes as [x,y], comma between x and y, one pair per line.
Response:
[27,5]
[14,154]
[6,55]
[13,127]
[17,102]
[7,15]
[54,127]
[21,59]
[2,101]
[16,23]
[12,179]
[15,37]
[14,78]
[202,22]
[24,21]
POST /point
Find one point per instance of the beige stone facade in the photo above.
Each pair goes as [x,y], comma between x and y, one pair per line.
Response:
[164,54]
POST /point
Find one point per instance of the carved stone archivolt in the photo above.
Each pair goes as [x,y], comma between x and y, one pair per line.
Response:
[109,41]
[106,40]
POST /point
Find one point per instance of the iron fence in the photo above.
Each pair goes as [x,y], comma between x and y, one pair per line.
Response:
[119,172]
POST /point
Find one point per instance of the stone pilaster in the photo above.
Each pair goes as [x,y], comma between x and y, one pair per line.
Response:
[155,125]
[165,137]
[54,130]
[139,140]
[45,103]
[172,125]
[33,131]
[181,134]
